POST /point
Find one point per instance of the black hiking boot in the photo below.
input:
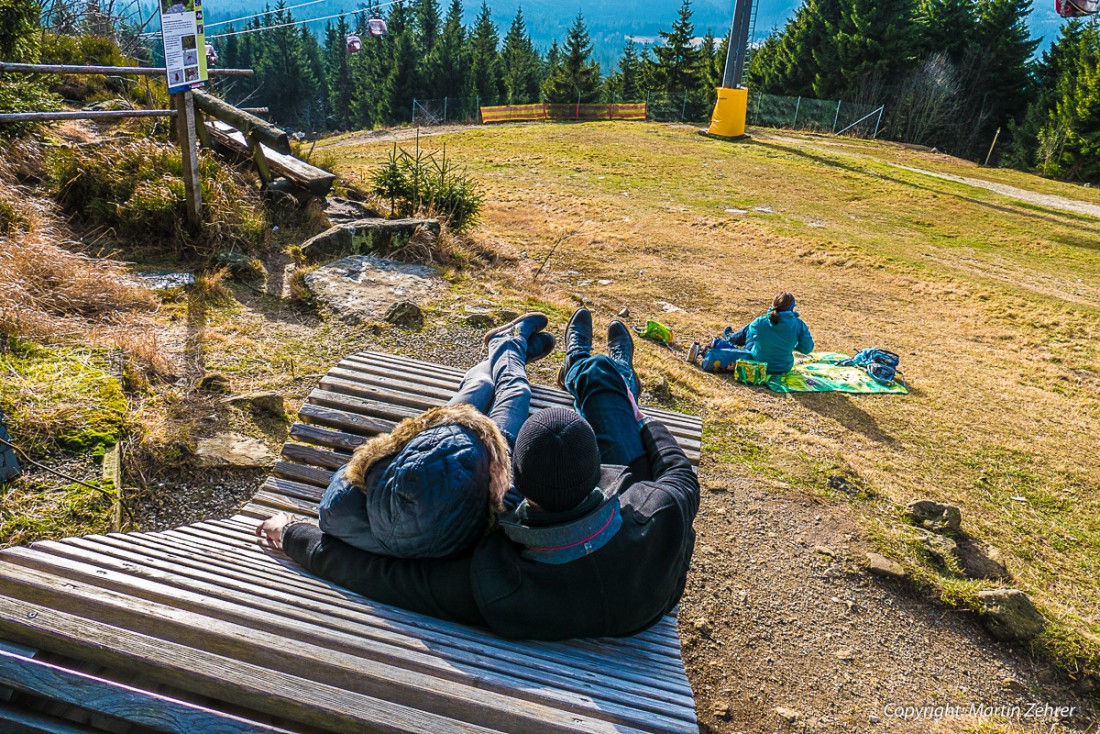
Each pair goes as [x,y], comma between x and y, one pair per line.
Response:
[578,341]
[620,347]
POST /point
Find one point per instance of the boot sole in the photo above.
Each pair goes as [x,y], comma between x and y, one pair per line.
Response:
[505,327]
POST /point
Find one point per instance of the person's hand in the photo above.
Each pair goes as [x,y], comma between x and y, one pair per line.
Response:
[638,416]
[271,530]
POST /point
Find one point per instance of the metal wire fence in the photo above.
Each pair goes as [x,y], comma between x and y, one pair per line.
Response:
[820,115]
[764,110]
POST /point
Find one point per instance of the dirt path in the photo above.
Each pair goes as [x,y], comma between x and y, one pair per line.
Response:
[784,631]
[1050,201]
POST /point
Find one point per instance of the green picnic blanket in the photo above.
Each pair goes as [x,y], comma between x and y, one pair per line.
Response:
[818,372]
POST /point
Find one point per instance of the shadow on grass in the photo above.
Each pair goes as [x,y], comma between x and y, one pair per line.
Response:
[841,408]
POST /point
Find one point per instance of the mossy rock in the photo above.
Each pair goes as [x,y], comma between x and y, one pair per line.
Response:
[61,398]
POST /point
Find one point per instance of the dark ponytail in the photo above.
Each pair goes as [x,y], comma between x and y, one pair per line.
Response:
[783,302]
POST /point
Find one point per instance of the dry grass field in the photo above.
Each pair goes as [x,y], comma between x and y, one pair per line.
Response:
[992,302]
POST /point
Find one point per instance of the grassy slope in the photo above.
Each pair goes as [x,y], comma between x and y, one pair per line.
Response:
[991,302]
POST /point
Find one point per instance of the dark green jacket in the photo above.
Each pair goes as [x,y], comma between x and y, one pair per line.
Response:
[624,586]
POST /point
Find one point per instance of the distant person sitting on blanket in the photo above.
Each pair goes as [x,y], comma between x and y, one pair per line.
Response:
[432,487]
[600,544]
[771,338]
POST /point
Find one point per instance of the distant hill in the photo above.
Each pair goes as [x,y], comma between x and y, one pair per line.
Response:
[609,21]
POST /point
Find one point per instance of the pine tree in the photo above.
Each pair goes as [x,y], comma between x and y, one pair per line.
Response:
[626,82]
[676,63]
[448,65]
[875,42]
[485,67]
[403,76]
[790,62]
[710,75]
[284,71]
[520,63]
[428,21]
[947,26]
[575,77]
[338,75]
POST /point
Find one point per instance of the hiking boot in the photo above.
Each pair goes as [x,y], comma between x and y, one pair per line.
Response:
[620,347]
[524,327]
[539,344]
[578,341]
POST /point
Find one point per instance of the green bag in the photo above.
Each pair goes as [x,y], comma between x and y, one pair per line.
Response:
[656,331]
[750,373]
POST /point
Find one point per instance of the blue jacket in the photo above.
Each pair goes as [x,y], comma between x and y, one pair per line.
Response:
[426,490]
[775,343]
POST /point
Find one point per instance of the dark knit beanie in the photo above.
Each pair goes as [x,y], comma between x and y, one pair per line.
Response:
[556,459]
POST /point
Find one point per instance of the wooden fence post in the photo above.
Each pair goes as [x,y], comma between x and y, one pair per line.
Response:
[185,129]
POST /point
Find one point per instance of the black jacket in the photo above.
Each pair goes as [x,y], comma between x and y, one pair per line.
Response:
[622,587]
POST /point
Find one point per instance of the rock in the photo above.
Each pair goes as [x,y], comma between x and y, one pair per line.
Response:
[379,236]
[1046,675]
[164,281]
[235,451]
[480,320]
[842,484]
[939,547]
[265,401]
[1009,615]
[661,391]
[405,314]
[506,317]
[343,211]
[214,382]
[935,516]
[364,288]
[624,314]
[239,264]
[702,626]
[825,550]
[788,715]
[721,710]
[980,561]
[880,565]
[1013,685]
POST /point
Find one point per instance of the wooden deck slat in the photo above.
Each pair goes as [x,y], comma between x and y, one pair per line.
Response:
[144,577]
[202,562]
[121,701]
[199,671]
[326,665]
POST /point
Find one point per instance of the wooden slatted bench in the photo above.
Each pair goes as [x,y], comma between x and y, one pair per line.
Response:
[199,629]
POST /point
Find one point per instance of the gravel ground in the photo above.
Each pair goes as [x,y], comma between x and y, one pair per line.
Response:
[784,631]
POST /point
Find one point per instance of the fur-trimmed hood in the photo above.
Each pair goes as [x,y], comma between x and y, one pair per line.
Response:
[429,489]
[390,444]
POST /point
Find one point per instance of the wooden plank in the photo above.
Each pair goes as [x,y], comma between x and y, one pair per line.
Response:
[645,655]
[208,555]
[326,437]
[185,131]
[302,473]
[315,457]
[406,365]
[22,721]
[315,180]
[343,420]
[12,649]
[149,578]
[198,671]
[270,135]
[252,589]
[412,688]
[120,701]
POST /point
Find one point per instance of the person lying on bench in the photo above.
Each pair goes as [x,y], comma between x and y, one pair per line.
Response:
[432,487]
[600,545]
[772,338]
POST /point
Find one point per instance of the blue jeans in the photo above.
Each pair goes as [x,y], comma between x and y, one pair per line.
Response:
[498,387]
[600,396]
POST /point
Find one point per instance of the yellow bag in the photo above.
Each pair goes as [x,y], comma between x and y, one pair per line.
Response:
[750,373]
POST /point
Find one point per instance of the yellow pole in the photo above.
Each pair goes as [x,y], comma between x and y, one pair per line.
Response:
[728,118]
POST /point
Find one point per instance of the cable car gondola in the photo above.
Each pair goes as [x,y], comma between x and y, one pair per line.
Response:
[355,44]
[211,55]
[376,27]
[1076,8]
